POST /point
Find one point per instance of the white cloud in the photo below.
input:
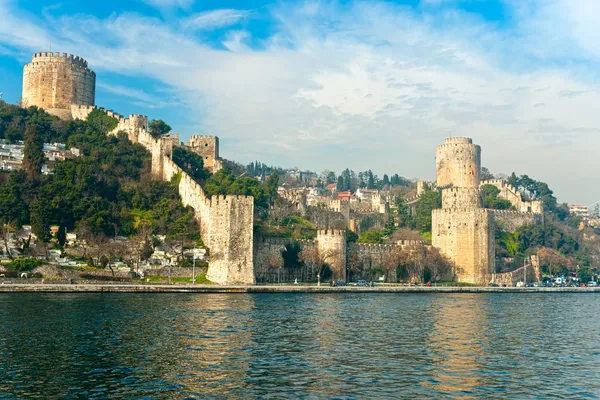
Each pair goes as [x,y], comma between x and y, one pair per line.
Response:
[370,85]
[214,19]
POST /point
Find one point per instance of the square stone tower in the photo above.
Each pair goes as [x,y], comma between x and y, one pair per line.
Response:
[207,147]
[463,230]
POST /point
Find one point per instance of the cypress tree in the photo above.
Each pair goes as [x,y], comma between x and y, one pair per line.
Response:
[33,154]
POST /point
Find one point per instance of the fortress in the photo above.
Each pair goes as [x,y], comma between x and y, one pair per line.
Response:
[64,86]
[463,230]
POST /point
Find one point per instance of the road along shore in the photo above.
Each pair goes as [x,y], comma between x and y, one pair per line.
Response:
[131,288]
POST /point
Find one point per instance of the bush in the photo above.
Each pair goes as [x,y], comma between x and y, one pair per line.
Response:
[23,265]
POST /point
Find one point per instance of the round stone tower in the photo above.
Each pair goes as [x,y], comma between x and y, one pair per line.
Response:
[458,163]
[54,81]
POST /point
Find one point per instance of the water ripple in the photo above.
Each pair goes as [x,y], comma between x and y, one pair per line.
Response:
[310,346]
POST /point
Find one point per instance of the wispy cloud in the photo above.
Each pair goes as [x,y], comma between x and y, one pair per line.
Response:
[366,85]
[214,19]
[168,4]
[140,97]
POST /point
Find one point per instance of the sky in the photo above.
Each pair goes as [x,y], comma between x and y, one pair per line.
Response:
[336,84]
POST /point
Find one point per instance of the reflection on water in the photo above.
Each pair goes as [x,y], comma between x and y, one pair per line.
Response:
[299,346]
[457,343]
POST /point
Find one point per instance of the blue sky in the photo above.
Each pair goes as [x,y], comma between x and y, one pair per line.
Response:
[336,84]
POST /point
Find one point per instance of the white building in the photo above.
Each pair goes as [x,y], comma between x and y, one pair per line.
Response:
[578,210]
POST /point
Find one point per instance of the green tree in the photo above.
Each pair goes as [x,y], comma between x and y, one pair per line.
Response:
[41,219]
[158,127]
[373,236]
[191,163]
[61,235]
[430,200]
[585,274]
[489,194]
[33,154]
[100,122]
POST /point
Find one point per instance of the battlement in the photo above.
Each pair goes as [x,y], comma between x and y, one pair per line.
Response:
[58,57]
[203,137]
[458,140]
[331,232]
[230,198]
[464,210]
[509,213]
[377,245]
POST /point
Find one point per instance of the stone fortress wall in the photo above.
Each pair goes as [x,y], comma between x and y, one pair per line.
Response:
[226,222]
[508,192]
[54,81]
[64,86]
[333,249]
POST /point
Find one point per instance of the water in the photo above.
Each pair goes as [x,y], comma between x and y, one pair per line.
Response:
[176,346]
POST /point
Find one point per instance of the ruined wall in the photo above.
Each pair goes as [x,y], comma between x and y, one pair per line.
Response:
[341,206]
[458,163]
[466,237]
[332,249]
[54,81]
[326,218]
[231,238]
[362,222]
[372,256]
[265,248]
[531,271]
[207,147]
[510,221]
[510,193]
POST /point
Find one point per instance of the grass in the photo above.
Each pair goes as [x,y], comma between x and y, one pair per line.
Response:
[200,279]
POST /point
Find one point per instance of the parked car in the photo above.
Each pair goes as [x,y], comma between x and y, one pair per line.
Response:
[493,284]
[592,284]
[361,282]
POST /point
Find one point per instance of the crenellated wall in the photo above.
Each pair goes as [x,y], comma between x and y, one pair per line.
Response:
[510,193]
[510,221]
[65,83]
[226,223]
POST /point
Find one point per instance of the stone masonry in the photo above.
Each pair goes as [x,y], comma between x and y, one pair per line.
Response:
[64,86]
[54,81]
[208,148]
[463,230]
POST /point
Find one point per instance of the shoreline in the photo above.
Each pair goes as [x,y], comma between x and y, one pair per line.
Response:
[116,288]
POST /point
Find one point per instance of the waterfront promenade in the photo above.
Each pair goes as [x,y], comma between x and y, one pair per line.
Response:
[131,288]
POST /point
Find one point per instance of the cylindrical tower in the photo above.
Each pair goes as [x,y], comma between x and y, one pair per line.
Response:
[458,163]
[54,81]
